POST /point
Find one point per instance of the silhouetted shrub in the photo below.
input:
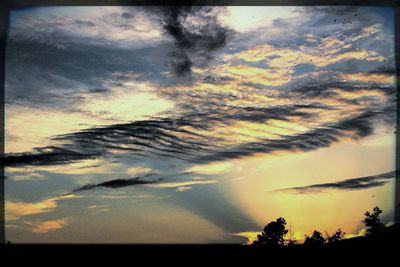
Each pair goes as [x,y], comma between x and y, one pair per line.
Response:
[373,222]
[336,237]
[273,234]
[316,239]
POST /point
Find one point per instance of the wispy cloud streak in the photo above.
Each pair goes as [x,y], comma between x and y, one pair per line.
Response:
[119,183]
[348,184]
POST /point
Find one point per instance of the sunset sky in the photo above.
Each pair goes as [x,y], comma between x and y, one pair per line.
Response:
[197,124]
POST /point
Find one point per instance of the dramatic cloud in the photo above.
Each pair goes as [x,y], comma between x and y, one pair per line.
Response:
[257,98]
[348,184]
[111,98]
[227,110]
[196,32]
[164,137]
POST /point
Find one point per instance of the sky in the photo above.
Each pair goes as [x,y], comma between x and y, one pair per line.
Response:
[197,124]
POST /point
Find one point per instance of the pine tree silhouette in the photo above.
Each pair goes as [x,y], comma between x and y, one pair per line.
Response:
[273,234]
[373,222]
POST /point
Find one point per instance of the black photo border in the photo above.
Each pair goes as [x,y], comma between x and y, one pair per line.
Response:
[6,6]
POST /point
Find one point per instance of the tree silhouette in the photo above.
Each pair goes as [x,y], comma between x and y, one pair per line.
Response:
[290,240]
[336,237]
[373,222]
[316,239]
[273,234]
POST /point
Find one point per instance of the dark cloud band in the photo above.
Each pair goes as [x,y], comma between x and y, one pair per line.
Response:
[348,184]
[119,183]
[171,138]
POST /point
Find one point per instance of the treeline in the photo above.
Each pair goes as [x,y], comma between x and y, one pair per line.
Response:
[275,233]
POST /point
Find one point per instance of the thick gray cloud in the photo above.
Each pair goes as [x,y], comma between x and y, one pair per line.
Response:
[196,31]
[60,58]
[46,76]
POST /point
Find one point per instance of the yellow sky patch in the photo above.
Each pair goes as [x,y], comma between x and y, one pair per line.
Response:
[29,127]
[369,78]
[128,107]
[47,226]
[17,209]
[137,170]
[182,184]
[274,77]
[359,93]
[26,127]
[251,236]
[212,168]
[279,58]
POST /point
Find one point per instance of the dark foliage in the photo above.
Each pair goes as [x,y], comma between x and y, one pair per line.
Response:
[336,237]
[373,222]
[273,234]
[316,239]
